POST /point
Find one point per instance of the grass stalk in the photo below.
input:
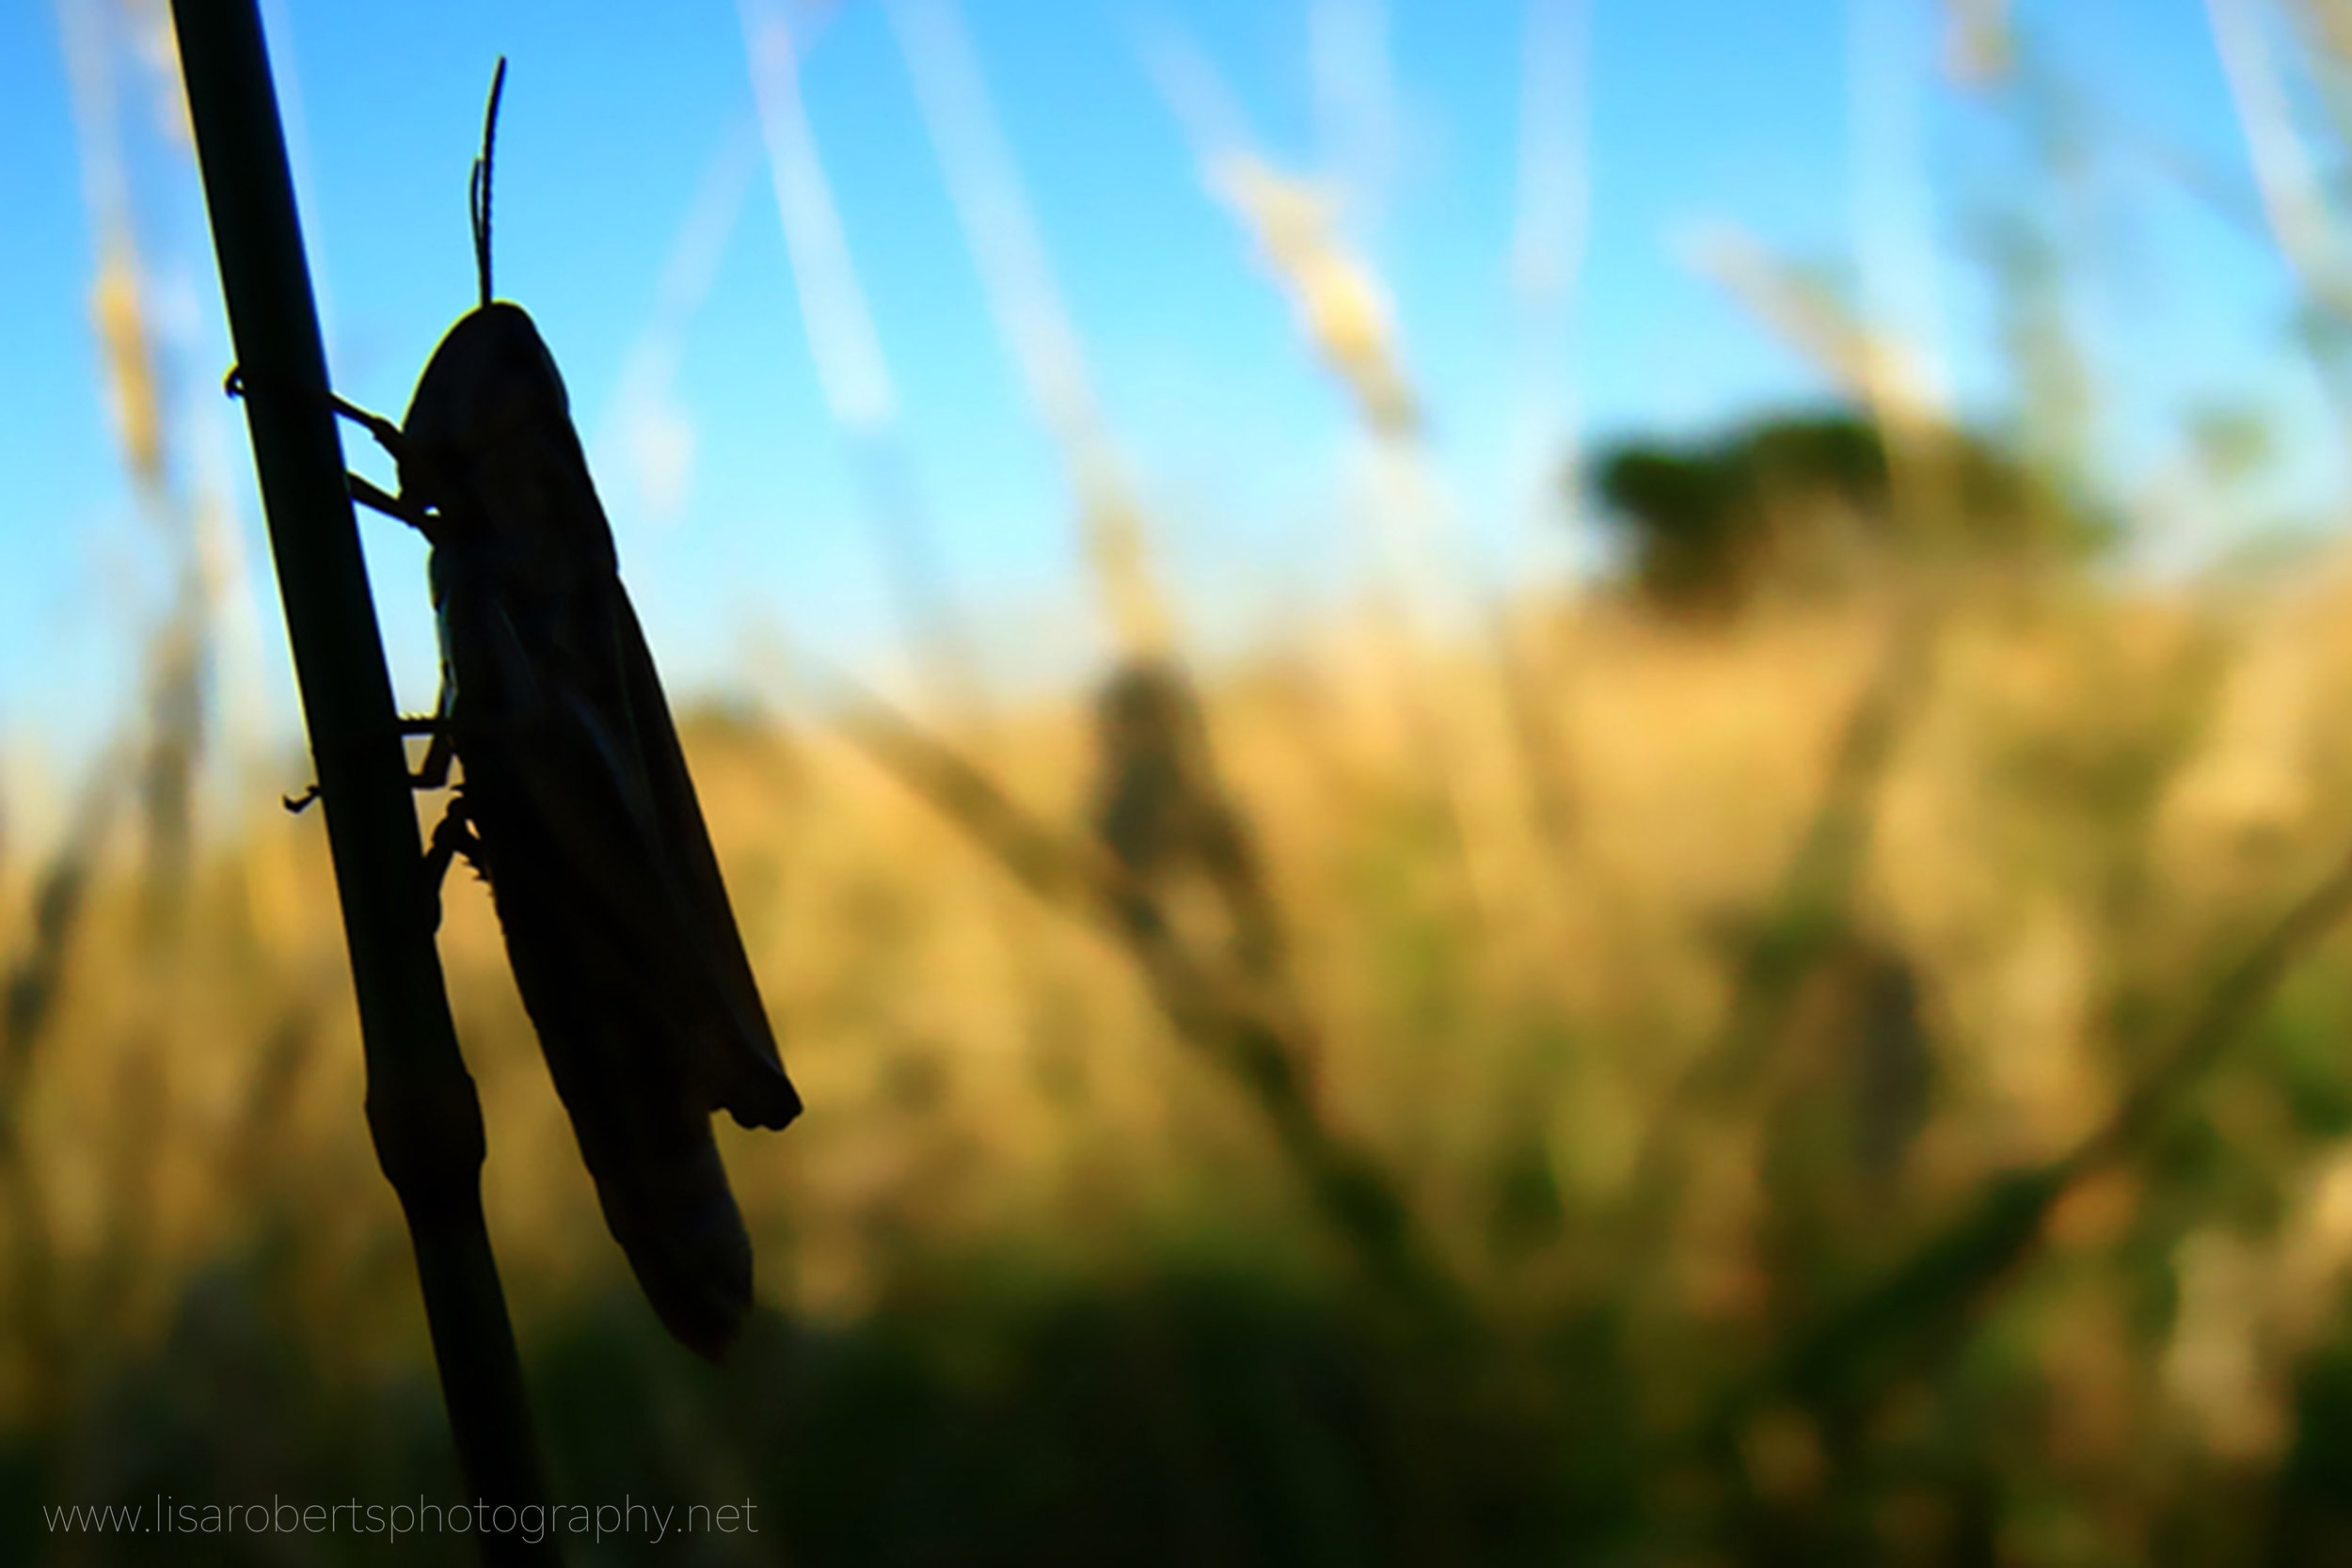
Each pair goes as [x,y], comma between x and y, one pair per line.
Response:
[1227,1012]
[422,1110]
[1809,913]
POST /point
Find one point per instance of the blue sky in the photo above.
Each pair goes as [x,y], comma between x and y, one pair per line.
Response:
[1699,111]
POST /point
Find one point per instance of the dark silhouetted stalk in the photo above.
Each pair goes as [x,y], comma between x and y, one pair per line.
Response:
[1809,917]
[422,1110]
[1224,1010]
[1161,811]
[1163,803]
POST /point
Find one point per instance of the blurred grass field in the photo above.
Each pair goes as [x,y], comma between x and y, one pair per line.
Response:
[1036,1285]
[1825,1043]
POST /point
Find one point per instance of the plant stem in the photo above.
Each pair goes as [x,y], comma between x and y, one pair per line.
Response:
[423,1111]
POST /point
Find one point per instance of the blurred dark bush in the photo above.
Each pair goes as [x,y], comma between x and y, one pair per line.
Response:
[1809,501]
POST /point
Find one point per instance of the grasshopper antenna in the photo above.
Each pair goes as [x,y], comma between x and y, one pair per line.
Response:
[478,190]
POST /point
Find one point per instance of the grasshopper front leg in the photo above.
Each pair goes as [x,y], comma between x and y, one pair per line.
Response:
[387,435]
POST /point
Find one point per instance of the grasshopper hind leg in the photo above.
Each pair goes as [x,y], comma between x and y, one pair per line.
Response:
[452,837]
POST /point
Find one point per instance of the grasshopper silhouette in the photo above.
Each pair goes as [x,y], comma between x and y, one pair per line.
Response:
[576,804]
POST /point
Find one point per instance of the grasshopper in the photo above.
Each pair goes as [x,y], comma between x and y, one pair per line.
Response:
[575,803]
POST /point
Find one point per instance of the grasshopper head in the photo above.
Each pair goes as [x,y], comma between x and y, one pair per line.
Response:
[490,441]
[491,378]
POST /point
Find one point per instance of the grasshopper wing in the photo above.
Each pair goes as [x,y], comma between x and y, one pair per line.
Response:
[617,926]
[738,1061]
